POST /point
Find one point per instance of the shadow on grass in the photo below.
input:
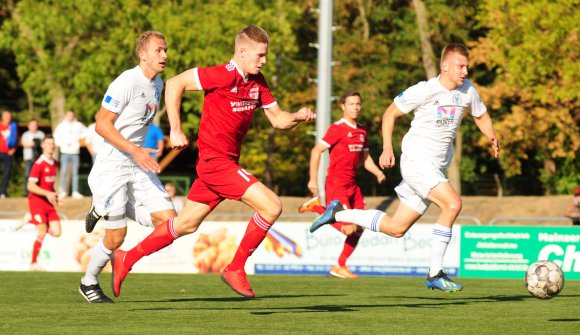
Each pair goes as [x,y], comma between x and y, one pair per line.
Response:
[235,299]
[564,320]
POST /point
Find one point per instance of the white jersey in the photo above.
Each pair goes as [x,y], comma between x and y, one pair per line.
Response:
[438,115]
[136,99]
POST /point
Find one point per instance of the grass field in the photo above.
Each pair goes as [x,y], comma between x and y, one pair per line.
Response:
[49,303]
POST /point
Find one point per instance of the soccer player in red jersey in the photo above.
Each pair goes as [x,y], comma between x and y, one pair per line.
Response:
[233,91]
[42,198]
[347,141]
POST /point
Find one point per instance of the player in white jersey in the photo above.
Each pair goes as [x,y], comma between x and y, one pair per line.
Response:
[439,105]
[123,179]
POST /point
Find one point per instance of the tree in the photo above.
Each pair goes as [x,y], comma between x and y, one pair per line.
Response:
[532,49]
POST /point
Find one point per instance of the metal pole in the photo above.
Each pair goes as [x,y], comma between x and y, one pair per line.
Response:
[324,80]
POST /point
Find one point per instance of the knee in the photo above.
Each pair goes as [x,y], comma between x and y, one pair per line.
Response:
[455,206]
[272,212]
[397,233]
[184,226]
[113,242]
[55,232]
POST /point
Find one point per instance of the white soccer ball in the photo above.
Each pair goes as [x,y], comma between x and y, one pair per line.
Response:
[544,279]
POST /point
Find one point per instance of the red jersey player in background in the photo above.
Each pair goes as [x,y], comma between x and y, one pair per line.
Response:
[233,91]
[42,198]
[347,141]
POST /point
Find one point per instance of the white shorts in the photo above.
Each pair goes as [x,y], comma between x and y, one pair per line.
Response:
[418,180]
[119,189]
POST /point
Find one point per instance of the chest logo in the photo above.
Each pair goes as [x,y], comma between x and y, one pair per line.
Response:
[255,92]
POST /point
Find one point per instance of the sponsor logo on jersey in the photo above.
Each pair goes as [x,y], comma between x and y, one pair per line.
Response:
[112,101]
[244,105]
[234,90]
[445,117]
[149,114]
[49,179]
[355,147]
[436,102]
[254,92]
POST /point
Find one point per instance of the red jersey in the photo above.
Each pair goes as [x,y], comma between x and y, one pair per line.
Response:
[346,142]
[229,104]
[4,134]
[43,172]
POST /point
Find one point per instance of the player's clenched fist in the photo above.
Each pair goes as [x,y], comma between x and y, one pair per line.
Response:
[304,114]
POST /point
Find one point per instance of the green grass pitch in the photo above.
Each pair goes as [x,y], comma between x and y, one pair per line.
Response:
[49,303]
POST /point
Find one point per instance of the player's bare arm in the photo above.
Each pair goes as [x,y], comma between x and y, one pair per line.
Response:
[485,124]
[371,167]
[387,159]
[33,187]
[285,120]
[315,154]
[106,128]
[174,88]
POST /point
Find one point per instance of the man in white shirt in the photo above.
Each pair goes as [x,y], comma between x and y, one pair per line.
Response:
[123,179]
[31,149]
[68,135]
[427,149]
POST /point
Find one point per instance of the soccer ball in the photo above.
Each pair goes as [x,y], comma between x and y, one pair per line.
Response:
[544,279]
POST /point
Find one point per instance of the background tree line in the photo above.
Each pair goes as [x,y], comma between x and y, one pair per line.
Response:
[61,55]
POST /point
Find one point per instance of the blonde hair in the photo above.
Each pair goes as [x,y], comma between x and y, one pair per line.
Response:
[454,48]
[144,39]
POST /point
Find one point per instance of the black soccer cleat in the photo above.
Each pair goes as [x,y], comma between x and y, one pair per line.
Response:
[91,219]
[93,294]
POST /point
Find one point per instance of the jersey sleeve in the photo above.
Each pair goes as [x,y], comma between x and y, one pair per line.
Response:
[266,98]
[476,106]
[35,172]
[412,97]
[209,78]
[118,94]
[331,137]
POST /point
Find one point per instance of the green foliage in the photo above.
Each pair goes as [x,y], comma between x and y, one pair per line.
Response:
[63,54]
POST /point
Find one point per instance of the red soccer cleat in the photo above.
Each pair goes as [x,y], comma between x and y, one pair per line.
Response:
[309,205]
[119,270]
[238,281]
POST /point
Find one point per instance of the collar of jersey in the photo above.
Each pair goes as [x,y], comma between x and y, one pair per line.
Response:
[239,70]
[345,121]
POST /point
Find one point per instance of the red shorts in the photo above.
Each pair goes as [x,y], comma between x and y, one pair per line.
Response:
[349,196]
[218,179]
[42,213]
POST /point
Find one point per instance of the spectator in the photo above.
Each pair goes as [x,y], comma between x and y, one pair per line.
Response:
[8,138]
[68,135]
[31,149]
[172,190]
[573,211]
[155,140]
[93,141]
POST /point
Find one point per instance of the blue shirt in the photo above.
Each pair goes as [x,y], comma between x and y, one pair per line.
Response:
[154,135]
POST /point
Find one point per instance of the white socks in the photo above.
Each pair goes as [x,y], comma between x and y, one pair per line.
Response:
[369,219]
[440,240]
[99,258]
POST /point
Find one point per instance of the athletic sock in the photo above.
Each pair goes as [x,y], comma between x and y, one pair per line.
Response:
[369,219]
[318,209]
[439,242]
[99,258]
[349,246]
[36,248]
[162,236]
[255,233]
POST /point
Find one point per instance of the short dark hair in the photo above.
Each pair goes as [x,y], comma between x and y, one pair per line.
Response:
[144,39]
[454,48]
[350,93]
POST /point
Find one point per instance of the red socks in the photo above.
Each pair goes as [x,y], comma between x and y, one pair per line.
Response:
[319,209]
[255,234]
[162,236]
[36,248]
[349,245]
